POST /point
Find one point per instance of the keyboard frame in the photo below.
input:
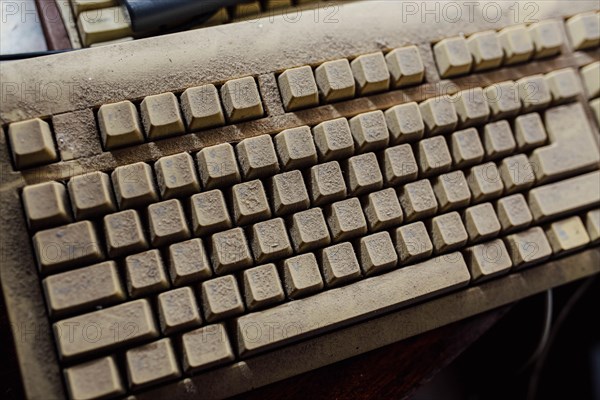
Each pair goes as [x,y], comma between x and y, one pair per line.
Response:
[85,83]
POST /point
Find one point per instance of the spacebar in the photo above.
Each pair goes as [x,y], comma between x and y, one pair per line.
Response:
[338,307]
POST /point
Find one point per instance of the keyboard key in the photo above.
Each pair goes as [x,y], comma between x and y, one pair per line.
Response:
[567,235]
[488,260]
[564,85]
[439,115]
[83,5]
[418,201]
[161,116]
[217,166]
[382,210]
[346,220]
[94,379]
[517,44]
[288,193]
[591,79]
[245,11]
[209,213]
[528,248]
[249,202]
[334,139]
[221,298]
[434,156]
[377,253]
[230,251]
[466,148]
[257,157]
[592,223]
[119,125]
[326,183]
[517,173]
[453,57]
[363,174]
[188,262]
[31,143]
[405,66]
[201,108]
[335,80]
[370,131]
[83,288]
[485,182]
[370,73]
[103,25]
[167,223]
[498,140]
[503,99]
[151,364]
[67,246]
[46,205]
[486,50]
[529,131]
[176,176]
[298,88]
[241,99]
[482,222]
[584,30]
[134,185]
[145,274]
[301,276]
[513,213]
[308,230]
[339,264]
[377,295]
[399,165]
[405,123]
[205,348]
[595,106]
[262,287]
[547,38]
[412,242]
[124,233]
[534,93]
[472,107]
[134,320]
[452,191]
[269,241]
[296,148]
[178,310]
[91,195]
[448,232]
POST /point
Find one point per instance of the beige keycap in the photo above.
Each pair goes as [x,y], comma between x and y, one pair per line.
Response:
[230,251]
[591,79]
[205,348]
[565,197]
[151,364]
[188,262]
[178,310]
[241,100]
[472,107]
[167,224]
[486,50]
[308,230]
[485,182]
[91,195]
[567,235]
[434,156]
[119,125]
[262,287]
[333,139]
[296,148]
[417,200]
[547,38]
[288,193]
[161,116]
[31,143]
[134,185]
[209,213]
[564,85]
[534,93]
[272,5]
[176,176]
[370,131]
[498,140]
[513,213]
[517,173]
[94,379]
[67,246]
[377,253]
[363,174]
[257,157]
[399,165]
[298,88]
[370,73]
[412,242]
[221,16]
[466,148]
[452,191]
[530,131]
[339,264]
[346,220]
[439,115]
[488,260]
[301,276]
[595,106]
[335,80]
[448,232]
[481,222]
[221,298]
[405,123]
[517,44]
[269,241]
[405,66]
[584,30]
[249,202]
[83,288]
[592,223]
[453,57]
[503,99]
[75,339]
[124,233]
[46,205]
[83,5]
[245,11]
[382,210]
[528,248]
[145,273]
[326,183]
[217,166]
[201,108]
[103,25]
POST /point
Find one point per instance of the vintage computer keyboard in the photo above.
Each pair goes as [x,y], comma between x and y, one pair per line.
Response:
[200,214]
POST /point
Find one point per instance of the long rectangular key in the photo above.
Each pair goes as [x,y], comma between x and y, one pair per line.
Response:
[337,307]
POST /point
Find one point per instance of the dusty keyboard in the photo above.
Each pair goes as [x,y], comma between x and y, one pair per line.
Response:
[202,225]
